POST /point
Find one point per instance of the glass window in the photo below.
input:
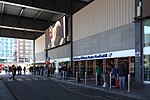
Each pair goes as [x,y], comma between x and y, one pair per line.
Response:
[21,39]
[146,44]
[21,51]
[31,48]
[21,55]
[147,67]
[21,47]
[10,51]
[147,32]
[21,43]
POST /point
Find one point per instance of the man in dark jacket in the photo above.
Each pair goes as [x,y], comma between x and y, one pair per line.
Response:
[121,70]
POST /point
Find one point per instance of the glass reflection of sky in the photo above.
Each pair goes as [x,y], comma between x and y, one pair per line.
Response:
[146,29]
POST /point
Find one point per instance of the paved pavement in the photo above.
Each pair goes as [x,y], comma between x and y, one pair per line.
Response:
[4,92]
[137,91]
[41,88]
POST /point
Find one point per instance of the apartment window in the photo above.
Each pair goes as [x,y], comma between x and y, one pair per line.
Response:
[27,51]
[21,59]
[11,47]
[21,47]
[27,43]
[21,55]
[21,39]
[31,48]
[21,43]
[10,51]
[31,51]
[21,51]
[27,56]
[27,47]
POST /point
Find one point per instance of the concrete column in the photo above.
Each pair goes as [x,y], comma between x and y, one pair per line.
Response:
[138,46]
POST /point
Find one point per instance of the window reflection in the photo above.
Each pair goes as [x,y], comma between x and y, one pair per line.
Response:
[147,32]
[147,67]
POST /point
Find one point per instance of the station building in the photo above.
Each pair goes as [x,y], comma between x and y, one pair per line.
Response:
[103,32]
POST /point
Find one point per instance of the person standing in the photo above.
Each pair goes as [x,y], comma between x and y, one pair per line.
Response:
[46,70]
[113,75]
[69,71]
[13,73]
[51,69]
[121,70]
[99,74]
[24,69]
[59,70]
[65,72]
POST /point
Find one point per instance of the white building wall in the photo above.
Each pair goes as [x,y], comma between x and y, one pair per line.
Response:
[102,15]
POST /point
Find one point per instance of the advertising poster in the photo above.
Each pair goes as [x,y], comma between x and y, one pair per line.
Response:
[55,35]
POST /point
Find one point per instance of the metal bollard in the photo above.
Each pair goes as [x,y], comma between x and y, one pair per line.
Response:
[104,78]
[85,77]
[63,75]
[57,75]
[96,79]
[110,81]
[76,77]
[128,83]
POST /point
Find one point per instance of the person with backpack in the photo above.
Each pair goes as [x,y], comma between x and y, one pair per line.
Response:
[113,75]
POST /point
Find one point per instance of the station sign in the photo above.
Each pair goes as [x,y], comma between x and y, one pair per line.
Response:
[96,56]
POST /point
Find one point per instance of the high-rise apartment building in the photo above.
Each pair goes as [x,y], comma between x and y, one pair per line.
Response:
[25,51]
[7,48]
[16,50]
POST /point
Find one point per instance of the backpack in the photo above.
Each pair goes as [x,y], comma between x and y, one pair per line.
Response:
[114,73]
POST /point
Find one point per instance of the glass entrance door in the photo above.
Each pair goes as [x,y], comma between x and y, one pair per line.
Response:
[147,68]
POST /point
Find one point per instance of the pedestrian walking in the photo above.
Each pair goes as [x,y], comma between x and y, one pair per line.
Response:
[13,73]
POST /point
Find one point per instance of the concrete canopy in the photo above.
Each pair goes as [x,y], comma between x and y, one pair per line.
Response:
[28,19]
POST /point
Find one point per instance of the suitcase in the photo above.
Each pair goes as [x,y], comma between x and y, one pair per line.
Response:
[117,83]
